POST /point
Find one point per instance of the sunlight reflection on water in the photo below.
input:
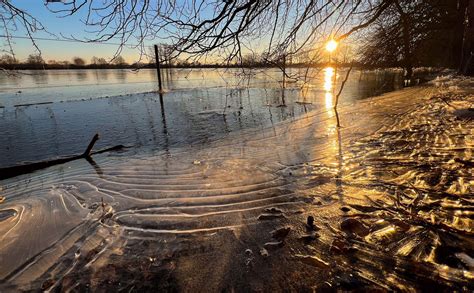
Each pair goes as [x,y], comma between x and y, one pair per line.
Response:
[392,211]
[70,105]
[328,86]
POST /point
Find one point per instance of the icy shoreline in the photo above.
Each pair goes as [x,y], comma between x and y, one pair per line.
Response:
[391,193]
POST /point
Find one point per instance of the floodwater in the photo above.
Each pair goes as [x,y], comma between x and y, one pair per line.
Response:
[391,192]
[49,114]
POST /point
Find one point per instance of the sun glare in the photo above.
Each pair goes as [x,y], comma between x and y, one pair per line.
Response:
[328,84]
[328,78]
[331,46]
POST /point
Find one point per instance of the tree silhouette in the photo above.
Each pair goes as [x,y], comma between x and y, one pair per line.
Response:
[7,59]
[35,59]
[196,28]
[119,60]
[78,61]
[415,33]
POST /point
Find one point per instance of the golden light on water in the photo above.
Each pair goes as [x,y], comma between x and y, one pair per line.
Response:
[329,98]
[328,78]
[328,85]
[331,46]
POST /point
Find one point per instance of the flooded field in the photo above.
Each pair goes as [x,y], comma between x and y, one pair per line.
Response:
[49,114]
[253,197]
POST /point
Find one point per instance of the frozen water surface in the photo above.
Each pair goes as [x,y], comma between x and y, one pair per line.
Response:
[49,114]
[391,192]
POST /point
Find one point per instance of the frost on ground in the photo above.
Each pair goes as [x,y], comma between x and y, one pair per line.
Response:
[383,202]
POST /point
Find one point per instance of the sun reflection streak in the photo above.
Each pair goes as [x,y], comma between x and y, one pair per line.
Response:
[329,99]
[328,78]
[328,86]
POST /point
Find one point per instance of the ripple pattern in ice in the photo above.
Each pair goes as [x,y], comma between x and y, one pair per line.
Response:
[391,194]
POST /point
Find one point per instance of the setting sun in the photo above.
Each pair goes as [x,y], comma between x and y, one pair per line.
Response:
[331,46]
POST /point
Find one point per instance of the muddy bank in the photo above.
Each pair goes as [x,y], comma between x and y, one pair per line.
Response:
[390,194]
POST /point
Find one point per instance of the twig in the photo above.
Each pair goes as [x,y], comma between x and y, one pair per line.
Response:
[342,85]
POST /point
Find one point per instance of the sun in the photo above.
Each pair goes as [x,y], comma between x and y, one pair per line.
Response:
[331,46]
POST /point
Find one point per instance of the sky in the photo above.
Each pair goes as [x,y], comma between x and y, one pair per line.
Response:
[72,26]
[69,26]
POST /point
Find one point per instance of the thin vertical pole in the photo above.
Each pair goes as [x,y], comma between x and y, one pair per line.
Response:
[158,69]
[284,71]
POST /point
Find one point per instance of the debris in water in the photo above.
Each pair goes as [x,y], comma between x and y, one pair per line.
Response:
[273,245]
[2,199]
[313,261]
[466,259]
[310,222]
[401,224]
[273,210]
[281,233]
[345,209]
[47,284]
[309,237]
[264,252]
[340,246]
[299,211]
[270,216]
[196,162]
[249,259]
[271,213]
[354,226]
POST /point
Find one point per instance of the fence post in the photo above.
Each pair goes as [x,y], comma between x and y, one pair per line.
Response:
[158,69]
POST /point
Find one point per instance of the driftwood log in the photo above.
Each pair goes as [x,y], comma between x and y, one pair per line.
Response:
[28,168]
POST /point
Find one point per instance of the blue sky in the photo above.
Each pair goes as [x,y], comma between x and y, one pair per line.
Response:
[72,26]
[68,26]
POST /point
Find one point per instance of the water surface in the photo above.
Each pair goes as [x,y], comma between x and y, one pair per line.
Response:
[391,194]
[54,113]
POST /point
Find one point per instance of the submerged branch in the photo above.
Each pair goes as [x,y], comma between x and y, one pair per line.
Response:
[10,172]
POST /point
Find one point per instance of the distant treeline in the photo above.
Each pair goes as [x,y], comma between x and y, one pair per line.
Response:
[26,66]
[36,62]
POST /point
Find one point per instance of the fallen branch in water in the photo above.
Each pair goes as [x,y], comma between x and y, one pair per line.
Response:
[87,153]
[28,168]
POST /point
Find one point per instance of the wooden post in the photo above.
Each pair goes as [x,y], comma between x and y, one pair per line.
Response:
[158,69]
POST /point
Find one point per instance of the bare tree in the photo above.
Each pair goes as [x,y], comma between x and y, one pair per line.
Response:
[98,61]
[12,19]
[119,60]
[198,27]
[78,61]
[410,33]
[7,59]
[165,53]
[35,59]
[229,28]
